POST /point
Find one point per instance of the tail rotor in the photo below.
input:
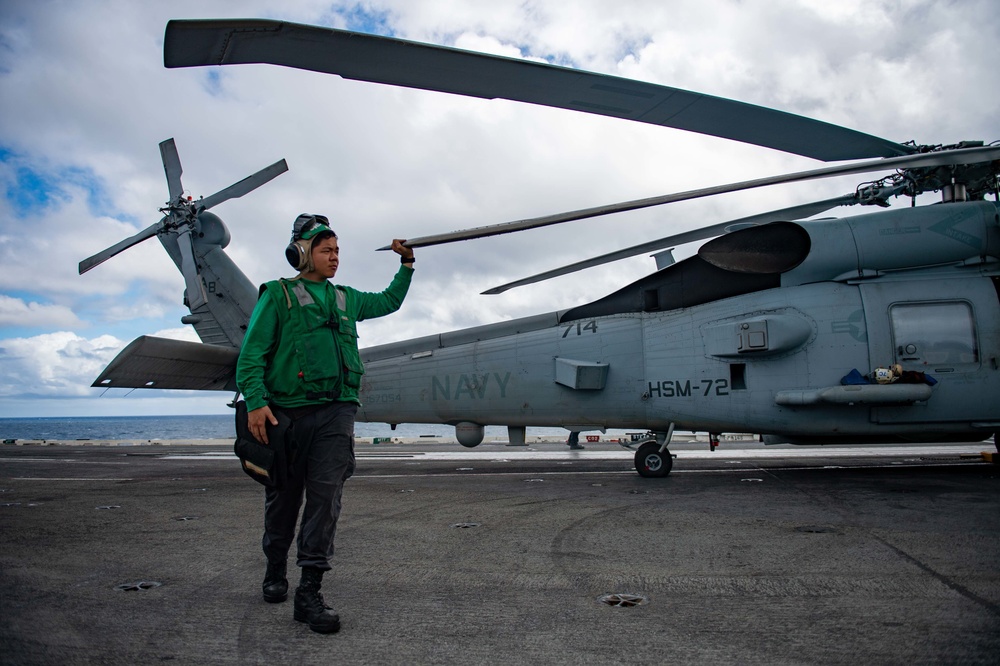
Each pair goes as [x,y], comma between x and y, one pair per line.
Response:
[180,220]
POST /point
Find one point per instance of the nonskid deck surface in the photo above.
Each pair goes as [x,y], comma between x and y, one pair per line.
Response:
[135,554]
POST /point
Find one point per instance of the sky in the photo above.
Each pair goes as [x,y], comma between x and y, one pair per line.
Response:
[85,101]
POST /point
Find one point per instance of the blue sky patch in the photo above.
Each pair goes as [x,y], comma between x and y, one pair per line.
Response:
[33,189]
[561,60]
[213,82]
[360,18]
[26,296]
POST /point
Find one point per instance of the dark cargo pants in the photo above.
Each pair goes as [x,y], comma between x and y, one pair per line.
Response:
[323,442]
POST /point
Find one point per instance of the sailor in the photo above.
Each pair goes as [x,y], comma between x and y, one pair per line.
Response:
[574,440]
[300,357]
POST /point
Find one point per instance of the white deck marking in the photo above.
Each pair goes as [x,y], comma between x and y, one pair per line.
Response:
[727,454]
[63,460]
[45,478]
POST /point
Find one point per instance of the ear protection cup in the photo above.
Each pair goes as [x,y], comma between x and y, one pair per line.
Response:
[297,255]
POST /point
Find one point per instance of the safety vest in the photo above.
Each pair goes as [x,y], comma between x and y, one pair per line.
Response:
[324,339]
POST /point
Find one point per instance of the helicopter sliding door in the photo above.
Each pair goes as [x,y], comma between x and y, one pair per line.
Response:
[948,329]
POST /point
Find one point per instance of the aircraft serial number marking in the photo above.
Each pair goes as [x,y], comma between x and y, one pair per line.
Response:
[678,388]
[580,327]
[383,398]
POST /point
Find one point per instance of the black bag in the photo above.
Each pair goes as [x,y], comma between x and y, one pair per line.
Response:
[264,463]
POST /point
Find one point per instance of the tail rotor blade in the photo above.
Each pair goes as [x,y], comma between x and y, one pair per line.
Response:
[189,267]
[793,213]
[104,255]
[248,184]
[172,167]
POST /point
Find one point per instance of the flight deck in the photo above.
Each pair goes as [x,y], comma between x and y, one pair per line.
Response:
[150,553]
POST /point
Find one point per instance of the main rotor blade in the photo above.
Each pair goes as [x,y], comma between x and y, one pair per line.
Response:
[792,213]
[121,246]
[363,57]
[172,167]
[942,158]
[189,268]
[248,184]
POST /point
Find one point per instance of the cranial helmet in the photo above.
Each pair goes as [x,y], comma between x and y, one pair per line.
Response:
[305,229]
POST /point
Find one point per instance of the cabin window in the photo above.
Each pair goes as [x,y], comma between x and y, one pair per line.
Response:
[936,337]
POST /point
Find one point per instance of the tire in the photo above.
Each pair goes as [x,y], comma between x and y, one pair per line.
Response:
[652,464]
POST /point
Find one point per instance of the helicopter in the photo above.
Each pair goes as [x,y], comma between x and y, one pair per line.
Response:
[878,327]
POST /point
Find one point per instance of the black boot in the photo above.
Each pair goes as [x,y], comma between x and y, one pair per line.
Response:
[309,604]
[275,585]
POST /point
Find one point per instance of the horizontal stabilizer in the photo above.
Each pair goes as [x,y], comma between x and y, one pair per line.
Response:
[150,362]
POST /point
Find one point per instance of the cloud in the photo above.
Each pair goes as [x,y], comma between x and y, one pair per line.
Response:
[53,364]
[15,312]
[83,114]
[63,365]
[186,333]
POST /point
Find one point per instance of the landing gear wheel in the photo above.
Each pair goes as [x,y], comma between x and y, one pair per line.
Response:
[651,463]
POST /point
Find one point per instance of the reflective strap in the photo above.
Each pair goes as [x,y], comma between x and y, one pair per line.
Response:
[302,295]
[341,299]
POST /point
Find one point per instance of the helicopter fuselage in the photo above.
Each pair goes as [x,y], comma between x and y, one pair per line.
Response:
[771,360]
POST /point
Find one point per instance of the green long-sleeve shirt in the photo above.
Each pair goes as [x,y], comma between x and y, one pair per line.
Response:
[270,370]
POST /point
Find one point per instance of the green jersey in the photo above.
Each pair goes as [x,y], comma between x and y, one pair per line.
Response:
[301,346]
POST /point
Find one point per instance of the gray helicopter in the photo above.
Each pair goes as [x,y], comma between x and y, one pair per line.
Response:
[880,327]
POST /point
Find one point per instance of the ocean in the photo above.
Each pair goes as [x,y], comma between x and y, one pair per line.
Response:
[211,426]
